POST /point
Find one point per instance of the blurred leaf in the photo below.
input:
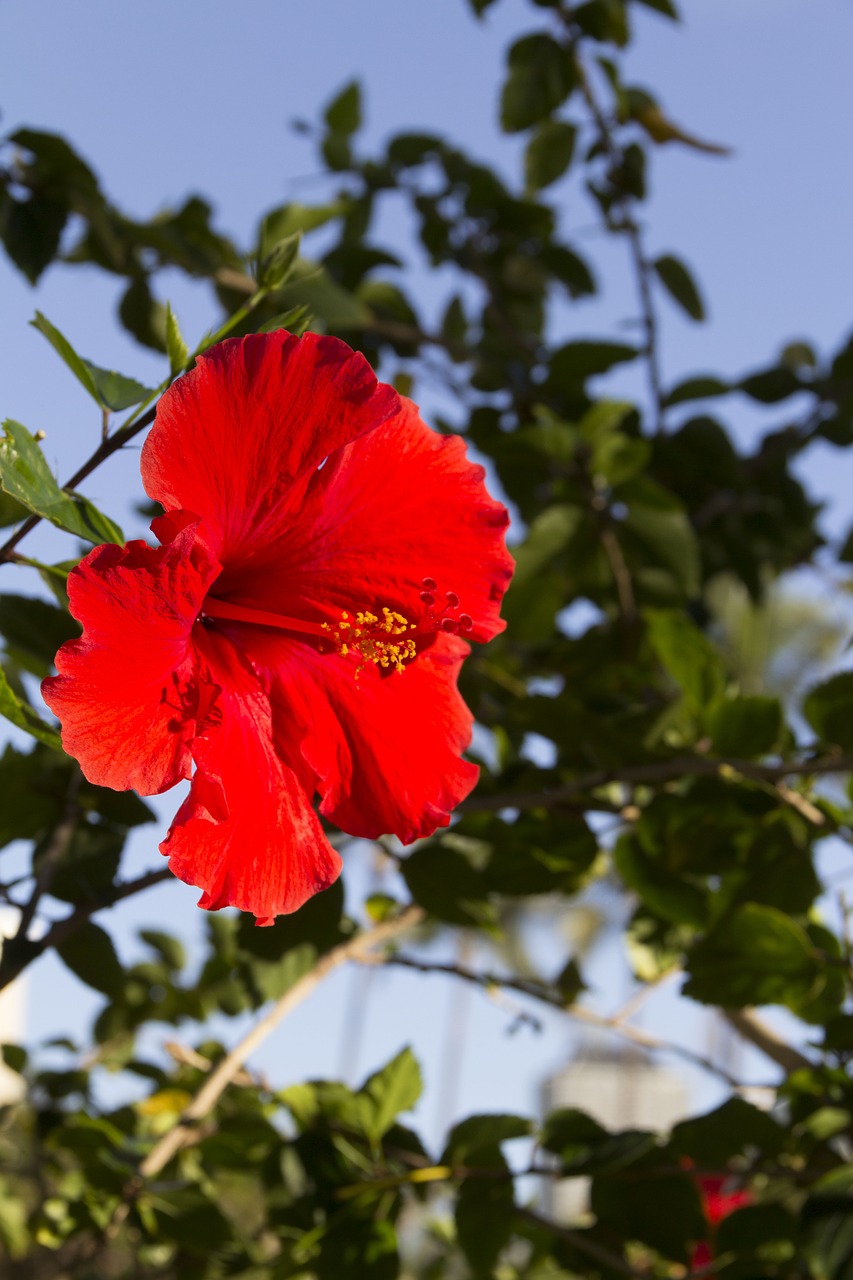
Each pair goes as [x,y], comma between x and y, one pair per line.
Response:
[171,949]
[90,955]
[541,77]
[771,385]
[687,655]
[25,476]
[663,1211]
[34,630]
[754,956]
[666,7]
[746,726]
[23,715]
[484,1221]
[574,362]
[279,263]
[476,1134]
[549,153]
[736,1126]
[31,231]
[680,285]
[343,114]
[393,1089]
[828,707]
[701,388]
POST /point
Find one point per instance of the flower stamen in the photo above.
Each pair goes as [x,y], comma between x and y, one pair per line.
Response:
[384,640]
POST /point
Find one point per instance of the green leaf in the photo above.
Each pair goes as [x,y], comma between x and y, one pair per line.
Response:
[771,385]
[668,894]
[828,707]
[730,1130]
[480,6]
[25,476]
[279,264]
[90,955]
[574,362]
[687,655]
[700,388]
[312,286]
[541,76]
[11,512]
[34,630]
[584,1146]
[663,1211]
[827,1218]
[476,1134]
[549,535]
[63,347]
[666,7]
[171,949]
[142,315]
[31,231]
[393,1089]
[22,714]
[115,391]
[746,727]
[295,320]
[680,285]
[108,389]
[484,1221]
[343,114]
[366,1250]
[758,1230]
[549,153]
[671,539]
[757,955]
[176,349]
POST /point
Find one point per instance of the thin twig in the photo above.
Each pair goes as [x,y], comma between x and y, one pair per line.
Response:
[629,225]
[579,1012]
[659,772]
[621,574]
[207,1097]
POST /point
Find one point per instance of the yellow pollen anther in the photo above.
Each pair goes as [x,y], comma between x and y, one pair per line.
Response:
[376,639]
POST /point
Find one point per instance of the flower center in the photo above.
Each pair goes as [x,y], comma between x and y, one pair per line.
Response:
[387,639]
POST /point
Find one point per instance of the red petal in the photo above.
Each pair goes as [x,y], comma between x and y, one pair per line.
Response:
[246,834]
[383,749]
[400,504]
[255,413]
[126,691]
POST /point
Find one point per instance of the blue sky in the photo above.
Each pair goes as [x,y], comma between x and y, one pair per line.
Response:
[164,98]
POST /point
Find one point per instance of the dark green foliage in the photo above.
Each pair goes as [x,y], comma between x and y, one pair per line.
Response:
[646,752]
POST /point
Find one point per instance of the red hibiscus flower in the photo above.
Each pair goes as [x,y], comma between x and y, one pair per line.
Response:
[299,630]
[718,1204]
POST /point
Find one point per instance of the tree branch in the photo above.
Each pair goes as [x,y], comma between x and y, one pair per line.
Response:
[207,1097]
[750,1027]
[629,225]
[580,1013]
[659,772]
